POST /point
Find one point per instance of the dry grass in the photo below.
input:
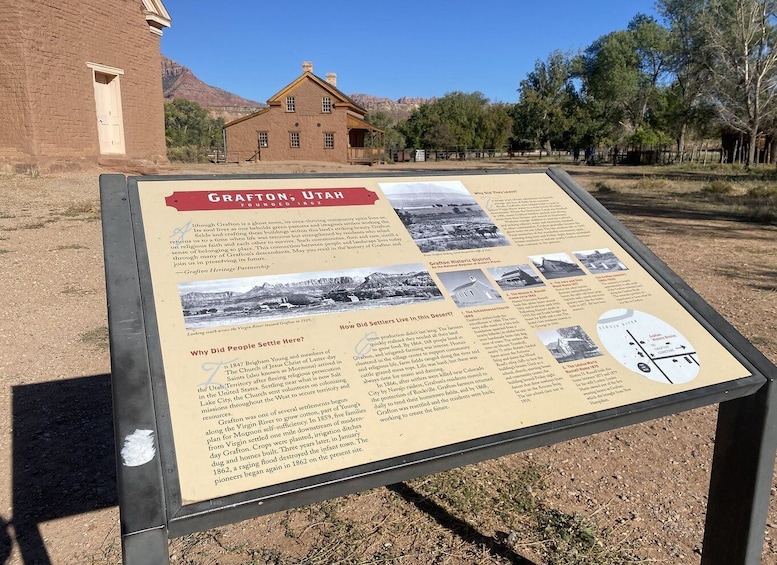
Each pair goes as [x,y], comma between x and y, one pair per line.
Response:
[97,337]
[81,210]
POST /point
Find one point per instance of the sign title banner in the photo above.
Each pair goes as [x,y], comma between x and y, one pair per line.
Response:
[189,201]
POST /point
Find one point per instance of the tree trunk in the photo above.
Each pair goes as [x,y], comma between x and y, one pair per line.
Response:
[681,141]
[751,150]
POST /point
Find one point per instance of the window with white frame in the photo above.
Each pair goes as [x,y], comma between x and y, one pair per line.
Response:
[263,139]
[294,138]
[329,141]
[290,104]
[326,105]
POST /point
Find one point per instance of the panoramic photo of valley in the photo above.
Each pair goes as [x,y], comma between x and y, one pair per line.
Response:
[227,302]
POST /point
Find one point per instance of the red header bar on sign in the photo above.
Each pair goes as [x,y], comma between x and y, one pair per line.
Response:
[188,201]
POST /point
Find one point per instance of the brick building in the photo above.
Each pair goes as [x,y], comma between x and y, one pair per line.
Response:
[80,83]
[308,120]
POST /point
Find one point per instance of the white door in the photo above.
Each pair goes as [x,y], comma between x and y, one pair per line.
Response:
[110,127]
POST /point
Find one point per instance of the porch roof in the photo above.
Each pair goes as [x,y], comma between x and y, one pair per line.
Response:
[355,122]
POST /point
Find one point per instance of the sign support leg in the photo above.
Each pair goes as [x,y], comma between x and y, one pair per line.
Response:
[742,469]
[142,505]
[146,548]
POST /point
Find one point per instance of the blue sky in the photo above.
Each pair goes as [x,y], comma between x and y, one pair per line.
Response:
[386,49]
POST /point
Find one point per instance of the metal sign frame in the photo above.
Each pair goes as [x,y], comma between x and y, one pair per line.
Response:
[149,496]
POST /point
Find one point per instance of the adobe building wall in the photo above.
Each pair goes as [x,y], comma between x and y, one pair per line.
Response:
[15,125]
[242,137]
[307,119]
[49,88]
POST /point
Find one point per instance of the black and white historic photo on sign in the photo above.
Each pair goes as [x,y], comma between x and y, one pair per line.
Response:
[556,266]
[470,288]
[514,277]
[227,302]
[569,344]
[599,261]
[442,216]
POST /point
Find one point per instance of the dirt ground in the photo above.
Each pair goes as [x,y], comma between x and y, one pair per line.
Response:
[645,485]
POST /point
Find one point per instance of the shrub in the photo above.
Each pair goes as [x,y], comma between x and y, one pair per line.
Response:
[604,188]
[762,192]
[187,154]
[718,187]
[651,183]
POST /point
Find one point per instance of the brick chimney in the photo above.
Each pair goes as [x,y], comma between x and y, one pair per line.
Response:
[331,78]
[307,67]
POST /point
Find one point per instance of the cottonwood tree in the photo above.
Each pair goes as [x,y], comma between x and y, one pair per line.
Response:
[391,137]
[189,124]
[461,113]
[685,104]
[624,75]
[652,44]
[609,73]
[546,98]
[457,120]
[495,126]
[413,129]
[741,58]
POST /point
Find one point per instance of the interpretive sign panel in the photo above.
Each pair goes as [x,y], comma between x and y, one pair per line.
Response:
[308,327]
[307,330]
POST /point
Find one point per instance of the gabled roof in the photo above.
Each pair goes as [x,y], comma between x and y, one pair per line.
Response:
[248,117]
[340,99]
[471,284]
[353,122]
[156,14]
[355,115]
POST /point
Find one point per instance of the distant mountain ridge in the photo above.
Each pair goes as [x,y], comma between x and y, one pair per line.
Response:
[395,109]
[179,81]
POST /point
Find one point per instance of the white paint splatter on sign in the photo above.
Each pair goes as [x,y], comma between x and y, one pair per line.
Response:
[138,448]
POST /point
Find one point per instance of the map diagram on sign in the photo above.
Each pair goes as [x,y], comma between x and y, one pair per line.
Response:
[648,346]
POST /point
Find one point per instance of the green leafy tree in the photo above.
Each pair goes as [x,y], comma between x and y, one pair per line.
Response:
[460,113]
[652,43]
[624,76]
[439,135]
[646,136]
[684,106]
[458,121]
[546,99]
[496,126]
[188,125]
[416,125]
[609,73]
[392,138]
[380,120]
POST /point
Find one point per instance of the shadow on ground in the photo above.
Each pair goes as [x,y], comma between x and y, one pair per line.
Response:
[64,465]
[63,457]
[457,525]
[685,206]
[637,173]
